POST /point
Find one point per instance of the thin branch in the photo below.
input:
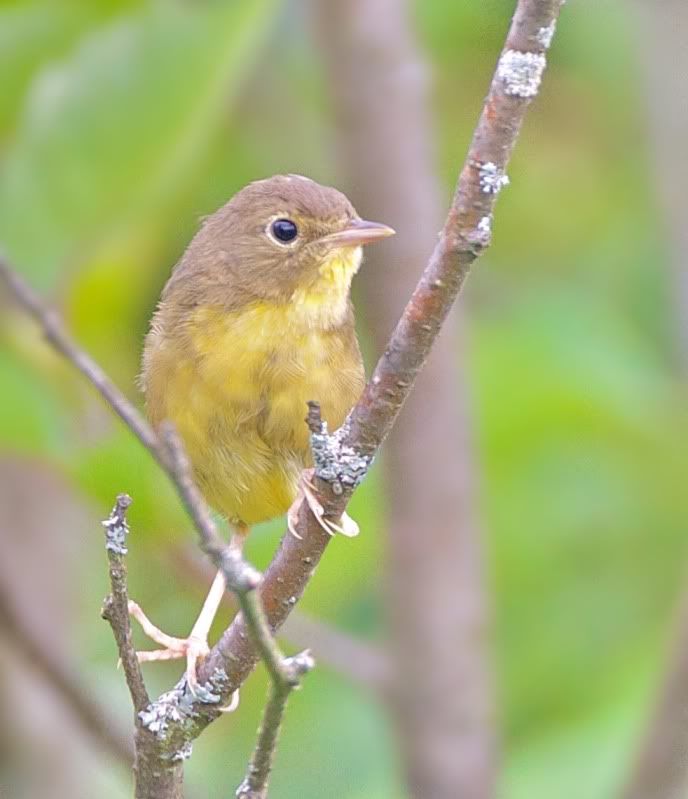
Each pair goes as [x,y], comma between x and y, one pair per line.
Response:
[53,329]
[255,783]
[93,716]
[154,777]
[116,606]
[467,231]
[242,579]
[357,660]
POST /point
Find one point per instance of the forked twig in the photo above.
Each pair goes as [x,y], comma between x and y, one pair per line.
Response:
[116,606]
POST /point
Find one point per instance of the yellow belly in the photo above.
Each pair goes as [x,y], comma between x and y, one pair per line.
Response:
[236,387]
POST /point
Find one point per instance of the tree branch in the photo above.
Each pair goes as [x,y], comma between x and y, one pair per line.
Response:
[468,227]
[357,660]
[53,330]
[242,579]
[152,781]
[437,598]
[116,606]
[343,458]
[255,783]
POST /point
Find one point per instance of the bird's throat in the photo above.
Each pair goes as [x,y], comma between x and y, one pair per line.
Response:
[323,304]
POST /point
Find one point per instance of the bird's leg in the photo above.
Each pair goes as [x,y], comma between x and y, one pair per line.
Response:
[195,647]
[347,526]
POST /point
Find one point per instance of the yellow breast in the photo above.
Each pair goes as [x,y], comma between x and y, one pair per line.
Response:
[236,386]
[324,304]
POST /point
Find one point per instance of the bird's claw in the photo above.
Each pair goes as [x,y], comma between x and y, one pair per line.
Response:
[346,526]
[193,648]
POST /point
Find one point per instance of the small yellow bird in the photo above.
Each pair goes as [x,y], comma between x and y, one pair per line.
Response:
[255,321]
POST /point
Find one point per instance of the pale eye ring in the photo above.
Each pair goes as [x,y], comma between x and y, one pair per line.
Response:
[284,230]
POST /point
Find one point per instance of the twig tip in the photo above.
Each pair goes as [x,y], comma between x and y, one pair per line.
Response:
[300,664]
[314,417]
[117,527]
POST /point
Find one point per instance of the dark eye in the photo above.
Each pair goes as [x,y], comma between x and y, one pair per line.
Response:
[284,230]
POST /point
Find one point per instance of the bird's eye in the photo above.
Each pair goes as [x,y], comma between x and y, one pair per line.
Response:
[284,230]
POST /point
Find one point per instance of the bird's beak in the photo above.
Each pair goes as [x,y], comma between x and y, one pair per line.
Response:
[359,232]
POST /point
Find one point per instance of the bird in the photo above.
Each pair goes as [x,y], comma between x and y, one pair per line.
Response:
[255,321]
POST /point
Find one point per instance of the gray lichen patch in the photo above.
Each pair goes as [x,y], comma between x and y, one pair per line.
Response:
[335,463]
[492,178]
[116,531]
[521,73]
[485,225]
[177,710]
[544,35]
[481,236]
[183,753]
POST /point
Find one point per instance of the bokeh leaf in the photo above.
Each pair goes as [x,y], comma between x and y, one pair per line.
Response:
[110,134]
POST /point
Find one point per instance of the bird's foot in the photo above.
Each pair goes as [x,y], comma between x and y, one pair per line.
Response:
[193,649]
[346,526]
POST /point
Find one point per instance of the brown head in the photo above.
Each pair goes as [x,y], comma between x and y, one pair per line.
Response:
[270,241]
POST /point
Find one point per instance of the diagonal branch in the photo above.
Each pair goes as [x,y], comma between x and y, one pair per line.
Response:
[255,784]
[467,230]
[242,579]
[353,658]
[436,592]
[342,459]
[55,333]
[162,749]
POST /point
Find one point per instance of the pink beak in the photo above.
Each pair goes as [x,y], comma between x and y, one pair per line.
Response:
[359,232]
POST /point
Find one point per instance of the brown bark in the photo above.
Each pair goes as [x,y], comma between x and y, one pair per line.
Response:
[360,661]
[437,598]
[155,776]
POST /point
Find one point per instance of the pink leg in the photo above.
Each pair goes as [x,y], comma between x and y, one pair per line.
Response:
[195,647]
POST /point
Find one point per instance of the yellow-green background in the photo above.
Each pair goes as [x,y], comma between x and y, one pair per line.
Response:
[122,123]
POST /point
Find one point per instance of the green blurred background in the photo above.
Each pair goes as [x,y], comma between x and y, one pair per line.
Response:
[122,123]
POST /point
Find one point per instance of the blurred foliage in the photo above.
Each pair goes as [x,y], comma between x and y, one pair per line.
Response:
[122,123]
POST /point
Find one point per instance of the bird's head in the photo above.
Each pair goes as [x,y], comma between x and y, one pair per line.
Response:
[286,239]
